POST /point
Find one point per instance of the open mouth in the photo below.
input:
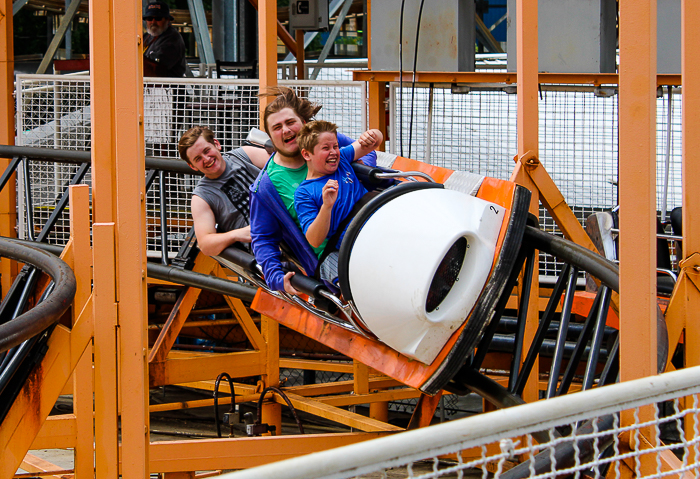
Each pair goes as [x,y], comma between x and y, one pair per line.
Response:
[209,164]
[289,140]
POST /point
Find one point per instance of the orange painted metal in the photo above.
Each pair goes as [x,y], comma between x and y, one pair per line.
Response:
[270,329]
[79,213]
[242,453]
[437,173]
[106,392]
[377,109]
[506,78]
[637,190]
[690,28]
[40,391]
[350,419]
[528,147]
[267,50]
[8,196]
[193,368]
[57,432]
[424,411]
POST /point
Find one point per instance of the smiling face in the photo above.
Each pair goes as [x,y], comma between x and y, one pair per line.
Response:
[325,157]
[206,158]
[283,127]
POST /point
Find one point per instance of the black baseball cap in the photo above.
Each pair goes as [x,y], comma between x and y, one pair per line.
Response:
[157,9]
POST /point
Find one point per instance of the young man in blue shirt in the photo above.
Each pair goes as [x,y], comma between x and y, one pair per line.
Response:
[331,189]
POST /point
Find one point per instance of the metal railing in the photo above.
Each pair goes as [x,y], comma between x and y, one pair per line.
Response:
[587,435]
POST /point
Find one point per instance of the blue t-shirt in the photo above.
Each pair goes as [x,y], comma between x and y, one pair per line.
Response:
[308,198]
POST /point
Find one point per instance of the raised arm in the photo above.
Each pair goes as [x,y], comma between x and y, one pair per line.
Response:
[368,141]
[210,242]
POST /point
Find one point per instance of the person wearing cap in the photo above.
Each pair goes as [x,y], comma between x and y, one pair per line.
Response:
[164,49]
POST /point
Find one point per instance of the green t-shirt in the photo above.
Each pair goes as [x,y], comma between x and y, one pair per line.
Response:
[286,181]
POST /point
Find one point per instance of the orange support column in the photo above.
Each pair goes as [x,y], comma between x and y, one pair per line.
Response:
[271,411]
[267,48]
[637,178]
[118,173]
[690,28]
[8,202]
[79,208]
[528,143]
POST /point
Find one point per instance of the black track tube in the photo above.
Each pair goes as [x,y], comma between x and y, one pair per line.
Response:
[581,342]
[569,252]
[9,302]
[569,453]
[11,168]
[490,390]
[483,347]
[150,176]
[163,197]
[28,200]
[522,321]
[48,312]
[62,203]
[611,368]
[175,275]
[558,359]
[597,342]
[542,330]
[25,293]
[505,344]
[507,326]
[78,157]
[202,281]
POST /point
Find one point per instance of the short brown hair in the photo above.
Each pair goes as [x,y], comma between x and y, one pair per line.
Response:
[307,138]
[190,137]
[286,98]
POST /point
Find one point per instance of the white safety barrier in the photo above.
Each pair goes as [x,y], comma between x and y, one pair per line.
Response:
[585,432]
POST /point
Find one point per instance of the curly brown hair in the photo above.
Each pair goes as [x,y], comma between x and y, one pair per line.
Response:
[190,137]
[307,138]
[286,98]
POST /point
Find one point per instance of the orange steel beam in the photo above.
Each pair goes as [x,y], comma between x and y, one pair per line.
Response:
[637,146]
[335,414]
[594,79]
[691,172]
[181,370]
[267,50]
[81,263]
[39,393]
[284,35]
[8,196]
[528,143]
[424,411]
[242,453]
[690,272]
[35,464]
[130,237]
[271,413]
[57,432]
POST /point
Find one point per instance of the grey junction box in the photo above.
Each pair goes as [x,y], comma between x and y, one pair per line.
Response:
[446,41]
[575,36]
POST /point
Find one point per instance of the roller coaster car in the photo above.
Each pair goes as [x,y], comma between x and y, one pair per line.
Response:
[422,268]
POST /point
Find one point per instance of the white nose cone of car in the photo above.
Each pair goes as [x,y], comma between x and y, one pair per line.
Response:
[419,264]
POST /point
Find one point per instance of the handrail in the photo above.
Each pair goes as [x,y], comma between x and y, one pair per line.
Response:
[49,311]
[77,157]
